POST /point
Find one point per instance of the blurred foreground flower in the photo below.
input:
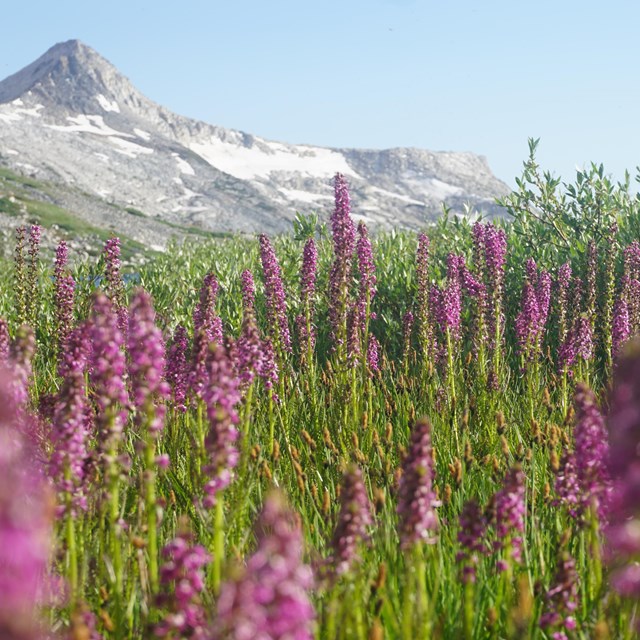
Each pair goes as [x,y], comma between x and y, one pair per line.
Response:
[270,600]
[25,519]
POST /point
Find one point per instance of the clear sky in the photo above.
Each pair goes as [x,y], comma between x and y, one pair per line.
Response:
[463,75]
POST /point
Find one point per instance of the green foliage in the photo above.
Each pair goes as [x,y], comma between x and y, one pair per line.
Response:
[327,417]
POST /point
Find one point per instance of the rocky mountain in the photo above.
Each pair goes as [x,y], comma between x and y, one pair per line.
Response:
[72,119]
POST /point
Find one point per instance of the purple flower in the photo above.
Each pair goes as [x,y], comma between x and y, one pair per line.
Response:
[25,517]
[478,232]
[64,288]
[578,343]
[197,375]
[477,290]
[447,303]
[584,479]
[508,516]
[632,260]
[248,291]
[561,599]
[114,286]
[452,297]
[207,330]
[591,447]
[20,274]
[473,526]
[177,369]
[276,302]
[543,294]
[221,395]
[250,358]
[631,285]
[416,498]
[367,291]
[205,319]
[620,329]
[342,226]
[534,310]
[563,283]
[5,341]
[309,272]
[373,355]
[71,424]
[472,285]
[271,599]
[304,321]
[495,248]
[353,521]
[147,364]
[107,370]
[269,368]
[21,353]
[527,320]
[344,240]
[182,579]
[31,299]
[623,531]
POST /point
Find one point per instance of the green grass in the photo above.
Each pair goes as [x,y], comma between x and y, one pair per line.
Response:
[333,412]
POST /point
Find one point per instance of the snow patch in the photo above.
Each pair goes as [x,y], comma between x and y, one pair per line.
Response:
[260,160]
[15,115]
[183,166]
[432,188]
[34,112]
[10,117]
[88,124]
[106,105]
[28,167]
[303,196]
[142,134]
[398,196]
[11,152]
[130,149]
[103,156]
[443,189]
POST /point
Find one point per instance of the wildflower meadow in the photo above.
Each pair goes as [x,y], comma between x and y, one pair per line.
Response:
[330,434]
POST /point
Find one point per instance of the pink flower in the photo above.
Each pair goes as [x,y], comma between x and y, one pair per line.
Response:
[182,580]
[353,521]
[270,600]
[418,521]
[508,515]
[25,516]
[276,299]
[147,365]
[221,395]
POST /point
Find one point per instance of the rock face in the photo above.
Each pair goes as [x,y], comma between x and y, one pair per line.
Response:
[71,118]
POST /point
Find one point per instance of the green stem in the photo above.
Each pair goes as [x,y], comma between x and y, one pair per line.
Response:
[468,609]
[218,545]
[150,505]
[72,555]
[114,537]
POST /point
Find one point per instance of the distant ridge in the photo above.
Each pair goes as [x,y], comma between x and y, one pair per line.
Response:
[72,118]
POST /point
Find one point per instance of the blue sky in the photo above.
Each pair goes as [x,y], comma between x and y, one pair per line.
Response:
[461,75]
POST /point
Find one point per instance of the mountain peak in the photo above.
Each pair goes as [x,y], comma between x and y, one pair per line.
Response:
[71,117]
[68,74]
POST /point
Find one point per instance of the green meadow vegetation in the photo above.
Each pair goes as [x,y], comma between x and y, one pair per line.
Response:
[330,434]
